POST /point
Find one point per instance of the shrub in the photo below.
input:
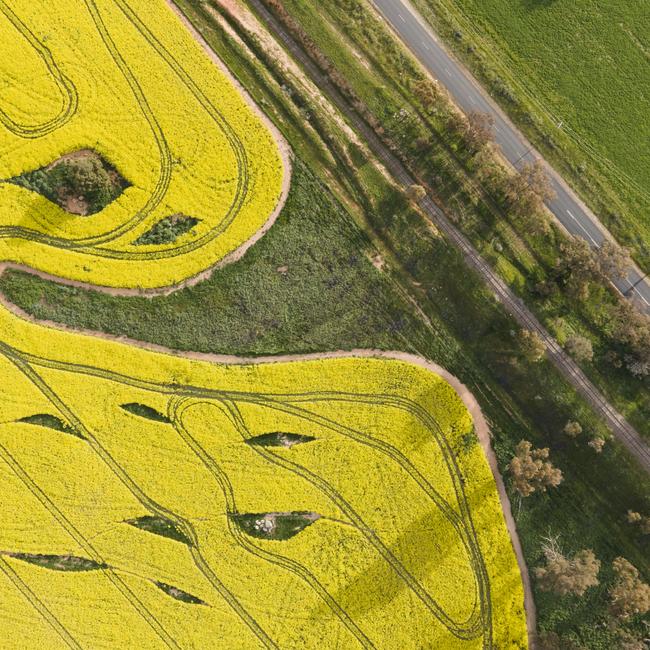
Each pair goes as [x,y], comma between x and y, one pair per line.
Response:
[580,348]
[568,576]
[572,429]
[629,595]
[531,471]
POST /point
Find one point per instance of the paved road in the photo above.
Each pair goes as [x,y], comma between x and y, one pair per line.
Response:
[622,429]
[470,96]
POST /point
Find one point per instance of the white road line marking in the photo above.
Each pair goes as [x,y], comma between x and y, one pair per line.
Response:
[593,241]
[401,18]
[447,71]
[640,296]
[635,290]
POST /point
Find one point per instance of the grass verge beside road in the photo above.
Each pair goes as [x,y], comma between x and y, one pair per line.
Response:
[581,65]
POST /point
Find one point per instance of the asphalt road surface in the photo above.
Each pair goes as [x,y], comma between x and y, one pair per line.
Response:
[470,96]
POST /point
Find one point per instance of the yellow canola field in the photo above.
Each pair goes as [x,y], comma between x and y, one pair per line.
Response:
[127,79]
[407,547]
[410,549]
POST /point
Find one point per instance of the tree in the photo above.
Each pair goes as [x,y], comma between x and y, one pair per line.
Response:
[568,576]
[526,192]
[86,177]
[532,345]
[597,444]
[577,267]
[580,348]
[456,123]
[479,131]
[573,429]
[637,367]
[629,595]
[487,169]
[613,261]
[631,328]
[531,471]
[537,180]
[475,129]
[415,193]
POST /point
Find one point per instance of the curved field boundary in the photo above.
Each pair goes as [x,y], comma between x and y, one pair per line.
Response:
[477,625]
[165,155]
[89,244]
[286,156]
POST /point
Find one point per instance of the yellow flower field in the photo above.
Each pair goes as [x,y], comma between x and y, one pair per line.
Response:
[152,500]
[410,549]
[127,80]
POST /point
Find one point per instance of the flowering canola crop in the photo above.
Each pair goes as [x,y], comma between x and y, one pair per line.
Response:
[128,475]
[409,549]
[127,80]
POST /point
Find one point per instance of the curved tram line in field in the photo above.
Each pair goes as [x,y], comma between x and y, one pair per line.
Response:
[66,87]
[177,408]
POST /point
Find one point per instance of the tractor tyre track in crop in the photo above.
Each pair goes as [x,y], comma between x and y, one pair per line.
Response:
[478,623]
[79,538]
[66,87]
[90,245]
[147,502]
[467,631]
[38,605]
[176,411]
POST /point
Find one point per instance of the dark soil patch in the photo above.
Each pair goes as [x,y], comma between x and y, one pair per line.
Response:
[279,439]
[51,422]
[60,562]
[160,526]
[144,411]
[179,594]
